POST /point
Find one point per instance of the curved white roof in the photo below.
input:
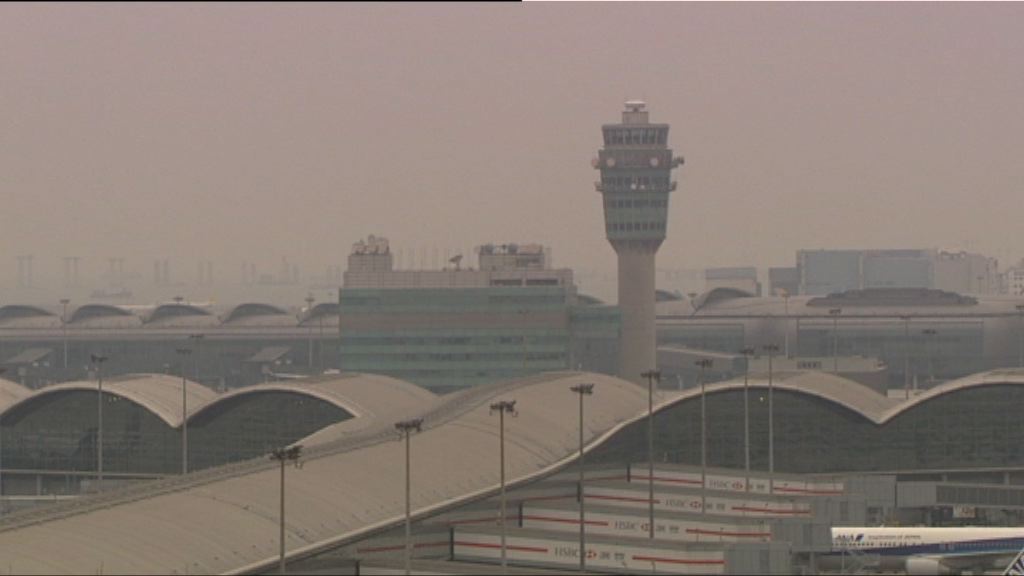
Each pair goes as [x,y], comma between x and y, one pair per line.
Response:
[1000,376]
[838,390]
[158,393]
[11,393]
[352,483]
[727,302]
[365,396]
[853,395]
[225,519]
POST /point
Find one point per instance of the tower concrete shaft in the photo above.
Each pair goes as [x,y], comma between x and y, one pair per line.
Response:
[636,168]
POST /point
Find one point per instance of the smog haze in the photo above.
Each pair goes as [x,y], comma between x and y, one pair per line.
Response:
[262,132]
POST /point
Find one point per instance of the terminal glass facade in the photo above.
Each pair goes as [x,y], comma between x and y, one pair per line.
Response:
[57,433]
[450,338]
[972,428]
[251,425]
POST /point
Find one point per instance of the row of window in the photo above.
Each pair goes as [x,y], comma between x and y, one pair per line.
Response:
[614,136]
[352,344]
[625,203]
[635,226]
[457,357]
[635,182]
[529,282]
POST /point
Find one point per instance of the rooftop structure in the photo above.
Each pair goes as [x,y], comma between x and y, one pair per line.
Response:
[351,487]
[636,165]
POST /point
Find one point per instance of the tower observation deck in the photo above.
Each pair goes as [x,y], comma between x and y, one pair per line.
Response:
[636,179]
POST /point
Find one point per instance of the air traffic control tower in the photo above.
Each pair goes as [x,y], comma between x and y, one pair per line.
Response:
[636,178]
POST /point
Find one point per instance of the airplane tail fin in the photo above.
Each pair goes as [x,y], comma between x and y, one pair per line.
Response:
[1016,567]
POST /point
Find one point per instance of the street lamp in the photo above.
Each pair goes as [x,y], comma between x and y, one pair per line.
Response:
[285,455]
[834,313]
[184,352]
[582,390]
[906,354]
[747,353]
[1020,334]
[98,361]
[652,377]
[928,334]
[771,349]
[309,312]
[64,329]
[502,407]
[704,363]
[405,429]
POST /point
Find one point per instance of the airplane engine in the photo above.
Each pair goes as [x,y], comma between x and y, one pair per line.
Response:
[927,567]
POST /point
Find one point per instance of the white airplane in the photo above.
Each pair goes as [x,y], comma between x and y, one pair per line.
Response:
[931,550]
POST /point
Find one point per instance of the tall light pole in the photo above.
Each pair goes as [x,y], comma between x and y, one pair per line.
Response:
[98,361]
[502,407]
[405,429]
[834,313]
[929,334]
[704,364]
[906,354]
[652,377]
[747,353]
[64,330]
[771,349]
[184,352]
[582,390]
[285,455]
[309,312]
[1020,335]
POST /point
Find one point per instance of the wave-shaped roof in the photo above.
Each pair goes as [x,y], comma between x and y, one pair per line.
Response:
[872,302]
[11,393]
[224,520]
[181,315]
[852,395]
[258,313]
[20,312]
[158,393]
[365,396]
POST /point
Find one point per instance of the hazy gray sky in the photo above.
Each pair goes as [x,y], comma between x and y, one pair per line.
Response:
[252,132]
